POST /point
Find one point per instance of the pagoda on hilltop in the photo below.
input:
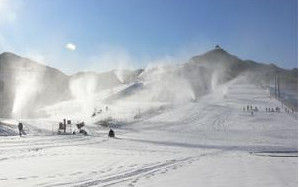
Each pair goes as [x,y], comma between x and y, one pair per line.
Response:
[217,47]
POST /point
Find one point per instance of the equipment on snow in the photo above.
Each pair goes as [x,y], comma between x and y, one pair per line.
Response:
[111,133]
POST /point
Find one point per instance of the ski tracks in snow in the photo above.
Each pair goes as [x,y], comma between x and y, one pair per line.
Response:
[132,176]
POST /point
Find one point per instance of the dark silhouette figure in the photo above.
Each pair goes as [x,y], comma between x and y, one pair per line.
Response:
[111,133]
[20,127]
[79,126]
[64,125]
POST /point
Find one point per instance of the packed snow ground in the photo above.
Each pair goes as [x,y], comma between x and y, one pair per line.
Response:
[209,142]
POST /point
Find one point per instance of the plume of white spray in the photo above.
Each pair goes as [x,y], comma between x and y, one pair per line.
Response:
[163,83]
[28,85]
[214,80]
[83,89]
[120,74]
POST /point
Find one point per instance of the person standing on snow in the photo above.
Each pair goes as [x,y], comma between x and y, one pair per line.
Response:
[20,127]
[111,133]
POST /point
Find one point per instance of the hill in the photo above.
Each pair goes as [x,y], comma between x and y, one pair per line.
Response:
[26,85]
[231,66]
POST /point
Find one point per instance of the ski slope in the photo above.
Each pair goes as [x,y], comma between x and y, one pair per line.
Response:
[208,142]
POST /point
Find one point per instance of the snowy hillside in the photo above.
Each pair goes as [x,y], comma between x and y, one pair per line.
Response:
[27,87]
[209,141]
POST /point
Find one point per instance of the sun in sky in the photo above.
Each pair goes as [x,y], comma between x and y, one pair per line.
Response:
[70,46]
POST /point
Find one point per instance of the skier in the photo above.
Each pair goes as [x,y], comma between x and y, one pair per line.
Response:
[111,133]
[247,107]
[20,127]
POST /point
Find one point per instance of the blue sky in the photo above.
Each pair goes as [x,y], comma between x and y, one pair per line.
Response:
[111,34]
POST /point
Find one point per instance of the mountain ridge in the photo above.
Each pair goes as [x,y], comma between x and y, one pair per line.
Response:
[50,85]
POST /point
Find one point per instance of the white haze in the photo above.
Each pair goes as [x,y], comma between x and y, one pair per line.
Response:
[162,84]
[28,85]
[120,74]
[109,58]
[83,89]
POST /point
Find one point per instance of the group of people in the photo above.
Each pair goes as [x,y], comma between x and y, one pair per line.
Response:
[268,109]
[289,110]
[276,109]
[251,109]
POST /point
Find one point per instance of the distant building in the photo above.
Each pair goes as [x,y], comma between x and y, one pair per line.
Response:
[217,47]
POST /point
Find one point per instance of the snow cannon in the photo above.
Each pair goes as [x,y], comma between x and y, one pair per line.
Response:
[80,130]
[62,127]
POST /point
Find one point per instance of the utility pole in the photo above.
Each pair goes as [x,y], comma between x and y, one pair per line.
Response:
[64,125]
[278,89]
[275,85]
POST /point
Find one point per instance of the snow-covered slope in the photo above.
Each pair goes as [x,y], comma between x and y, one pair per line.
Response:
[210,142]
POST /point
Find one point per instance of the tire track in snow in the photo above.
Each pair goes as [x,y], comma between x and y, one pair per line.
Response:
[27,147]
[138,173]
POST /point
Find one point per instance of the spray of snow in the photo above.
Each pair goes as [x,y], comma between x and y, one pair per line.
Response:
[28,86]
[120,74]
[164,83]
[214,81]
[83,89]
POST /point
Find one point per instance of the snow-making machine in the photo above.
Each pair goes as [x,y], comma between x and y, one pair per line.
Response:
[66,128]
[80,128]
